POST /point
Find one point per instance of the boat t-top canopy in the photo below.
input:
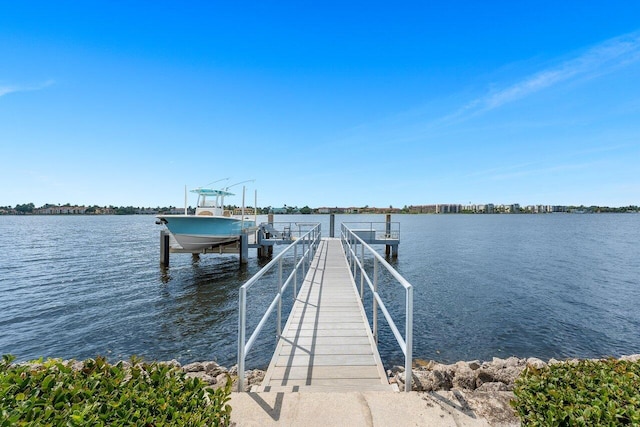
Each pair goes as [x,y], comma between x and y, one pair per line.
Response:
[211,192]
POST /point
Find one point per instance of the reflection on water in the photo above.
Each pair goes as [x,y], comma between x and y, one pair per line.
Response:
[495,285]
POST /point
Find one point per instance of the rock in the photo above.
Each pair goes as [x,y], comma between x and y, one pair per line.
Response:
[193,367]
[36,366]
[397,369]
[221,379]
[254,377]
[631,358]
[417,379]
[76,365]
[460,366]
[492,386]
[450,369]
[212,368]
[486,374]
[474,364]
[508,376]
[423,364]
[512,362]
[436,380]
[498,363]
[464,379]
[202,376]
[172,362]
[125,364]
[536,363]
[400,379]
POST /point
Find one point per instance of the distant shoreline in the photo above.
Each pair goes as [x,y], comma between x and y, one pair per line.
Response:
[6,213]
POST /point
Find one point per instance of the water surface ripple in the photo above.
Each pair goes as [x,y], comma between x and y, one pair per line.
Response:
[485,285]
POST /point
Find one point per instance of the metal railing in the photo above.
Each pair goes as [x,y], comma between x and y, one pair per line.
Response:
[351,241]
[288,230]
[309,243]
[376,230]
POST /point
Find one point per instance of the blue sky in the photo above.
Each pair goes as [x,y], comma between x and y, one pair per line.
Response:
[322,103]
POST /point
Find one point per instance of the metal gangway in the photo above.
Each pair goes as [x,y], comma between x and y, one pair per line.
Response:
[327,343]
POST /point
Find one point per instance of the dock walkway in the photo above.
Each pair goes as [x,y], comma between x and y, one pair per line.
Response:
[326,344]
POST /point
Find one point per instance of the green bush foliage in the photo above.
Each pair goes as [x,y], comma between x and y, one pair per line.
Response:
[586,393]
[51,393]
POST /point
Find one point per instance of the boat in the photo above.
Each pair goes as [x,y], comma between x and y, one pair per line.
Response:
[211,226]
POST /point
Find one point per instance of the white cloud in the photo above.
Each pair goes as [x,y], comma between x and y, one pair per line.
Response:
[601,59]
[7,89]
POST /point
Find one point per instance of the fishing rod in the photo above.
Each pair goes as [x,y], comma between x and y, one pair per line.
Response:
[223,179]
[238,183]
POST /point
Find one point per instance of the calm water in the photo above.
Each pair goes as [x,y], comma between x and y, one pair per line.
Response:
[493,285]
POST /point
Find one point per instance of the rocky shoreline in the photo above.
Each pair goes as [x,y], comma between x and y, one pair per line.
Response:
[210,372]
[497,375]
[477,388]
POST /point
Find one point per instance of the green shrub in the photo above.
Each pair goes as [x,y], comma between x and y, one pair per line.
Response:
[52,393]
[586,393]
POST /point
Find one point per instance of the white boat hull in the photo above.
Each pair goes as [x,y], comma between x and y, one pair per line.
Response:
[192,242]
[197,232]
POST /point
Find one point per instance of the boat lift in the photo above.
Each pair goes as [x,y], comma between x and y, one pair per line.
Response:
[268,234]
[262,238]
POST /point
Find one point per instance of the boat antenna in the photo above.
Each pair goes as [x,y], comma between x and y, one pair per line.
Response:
[241,182]
[223,179]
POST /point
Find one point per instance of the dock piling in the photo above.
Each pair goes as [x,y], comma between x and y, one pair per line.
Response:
[244,248]
[332,225]
[389,250]
[164,248]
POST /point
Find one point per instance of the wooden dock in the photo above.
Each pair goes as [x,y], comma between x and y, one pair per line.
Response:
[326,344]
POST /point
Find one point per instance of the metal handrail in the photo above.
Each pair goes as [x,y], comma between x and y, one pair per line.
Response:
[350,241]
[287,230]
[309,242]
[388,230]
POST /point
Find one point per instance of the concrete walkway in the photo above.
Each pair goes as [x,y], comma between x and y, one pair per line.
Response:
[369,408]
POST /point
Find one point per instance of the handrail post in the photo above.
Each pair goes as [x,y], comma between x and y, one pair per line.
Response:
[242,323]
[408,357]
[347,244]
[350,244]
[355,256]
[295,272]
[279,329]
[362,273]
[304,260]
[375,300]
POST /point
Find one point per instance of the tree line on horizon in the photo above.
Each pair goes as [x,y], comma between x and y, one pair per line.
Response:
[29,208]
